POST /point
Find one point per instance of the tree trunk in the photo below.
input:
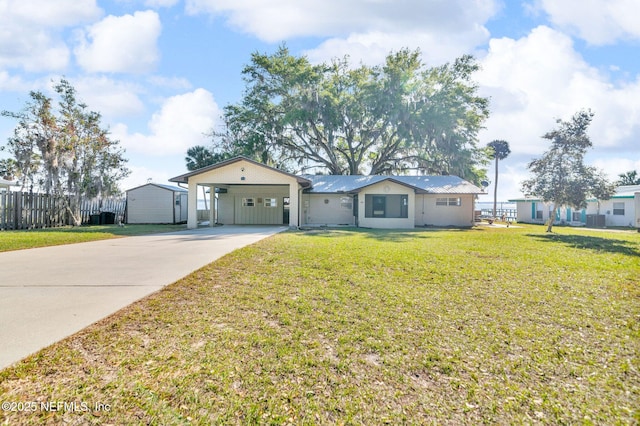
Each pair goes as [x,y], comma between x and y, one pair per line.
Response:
[495,192]
[552,217]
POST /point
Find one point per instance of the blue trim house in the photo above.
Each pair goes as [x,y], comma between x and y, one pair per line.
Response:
[622,209]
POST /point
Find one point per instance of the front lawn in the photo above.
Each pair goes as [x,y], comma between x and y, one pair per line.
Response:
[18,240]
[490,325]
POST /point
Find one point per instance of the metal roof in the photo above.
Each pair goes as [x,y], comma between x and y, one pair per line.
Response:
[626,191]
[422,184]
[623,191]
[167,187]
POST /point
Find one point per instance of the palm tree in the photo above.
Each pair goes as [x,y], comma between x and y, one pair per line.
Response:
[198,157]
[499,150]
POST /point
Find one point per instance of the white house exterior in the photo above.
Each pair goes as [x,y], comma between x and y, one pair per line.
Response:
[637,209]
[622,209]
[534,210]
[252,193]
[156,203]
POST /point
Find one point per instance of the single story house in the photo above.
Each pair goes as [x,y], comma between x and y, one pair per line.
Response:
[156,203]
[249,192]
[622,209]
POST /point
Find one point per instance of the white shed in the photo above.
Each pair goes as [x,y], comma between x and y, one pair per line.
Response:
[156,203]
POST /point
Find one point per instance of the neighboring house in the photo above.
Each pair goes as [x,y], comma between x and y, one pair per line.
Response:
[155,203]
[252,193]
[622,209]
[534,210]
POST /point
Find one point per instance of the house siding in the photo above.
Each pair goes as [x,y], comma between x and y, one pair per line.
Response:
[427,213]
[386,188]
[231,210]
[327,209]
[605,208]
[637,209]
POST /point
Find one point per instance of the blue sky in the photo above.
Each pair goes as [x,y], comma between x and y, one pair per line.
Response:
[160,71]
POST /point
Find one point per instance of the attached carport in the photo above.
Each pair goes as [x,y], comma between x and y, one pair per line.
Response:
[249,193]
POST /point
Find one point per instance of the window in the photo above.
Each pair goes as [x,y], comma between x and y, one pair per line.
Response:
[538,214]
[618,209]
[577,216]
[453,201]
[270,202]
[379,206]
[346,203]
[392,206]
[248,202]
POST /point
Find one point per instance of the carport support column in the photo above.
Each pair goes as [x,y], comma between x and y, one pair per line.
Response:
[294,205]
[212,205]
[192,217]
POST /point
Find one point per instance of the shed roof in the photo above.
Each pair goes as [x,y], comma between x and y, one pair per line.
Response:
[159,185]
[422,184]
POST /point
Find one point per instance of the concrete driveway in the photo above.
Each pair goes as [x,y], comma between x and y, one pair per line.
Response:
[49,293]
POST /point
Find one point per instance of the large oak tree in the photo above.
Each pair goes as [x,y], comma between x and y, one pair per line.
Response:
[340,119]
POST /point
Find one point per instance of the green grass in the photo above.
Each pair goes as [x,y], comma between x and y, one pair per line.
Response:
[18,240]
[506,326]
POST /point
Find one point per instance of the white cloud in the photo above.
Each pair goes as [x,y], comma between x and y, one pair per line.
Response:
[596,21]
[281,19]
[181,123]
[371,48]
[30,31]
[120,43]
[13,83]
[111,98]
[140,175]
[529,93]
[160,3]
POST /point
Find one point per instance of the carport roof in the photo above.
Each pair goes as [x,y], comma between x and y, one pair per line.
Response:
[185,177]
[421,184]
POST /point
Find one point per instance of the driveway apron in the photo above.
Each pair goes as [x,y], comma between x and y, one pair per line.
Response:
[49,293]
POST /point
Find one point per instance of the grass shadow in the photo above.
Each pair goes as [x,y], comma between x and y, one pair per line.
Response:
[126,230]
[390,235]
[591,243]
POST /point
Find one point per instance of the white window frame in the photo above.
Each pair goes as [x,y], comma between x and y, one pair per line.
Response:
[346,203]
[449,201]
[248,202]
[271,202]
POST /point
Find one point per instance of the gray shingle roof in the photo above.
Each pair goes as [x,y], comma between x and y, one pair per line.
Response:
[422,184]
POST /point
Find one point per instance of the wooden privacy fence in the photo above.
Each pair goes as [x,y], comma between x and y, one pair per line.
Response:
[25,210]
